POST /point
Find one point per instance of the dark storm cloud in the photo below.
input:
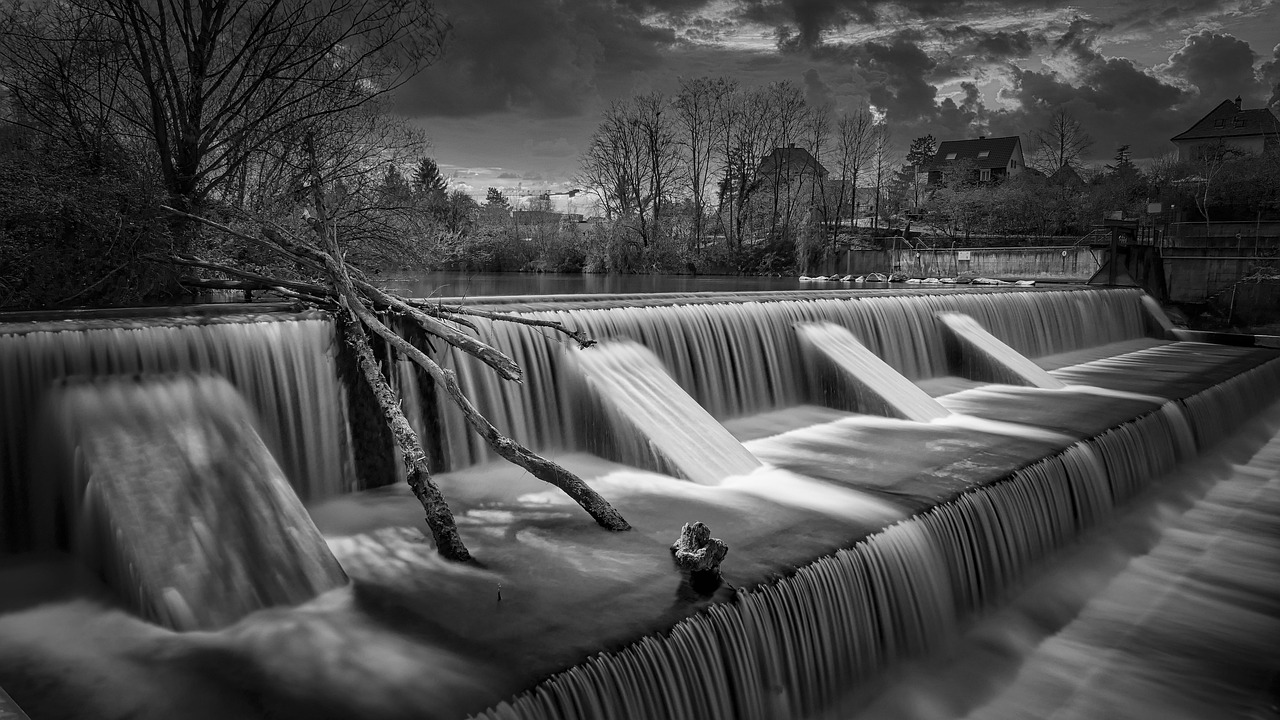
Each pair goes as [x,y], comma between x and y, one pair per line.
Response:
[1219,66]
[1269,75]
[894,74]
[802,22]
[1170,13]
[816,92]
[543,55]
[967,41]
[1116,102]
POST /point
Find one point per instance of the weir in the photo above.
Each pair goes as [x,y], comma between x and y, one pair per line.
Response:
[863,541]
[878,388]
[657,421]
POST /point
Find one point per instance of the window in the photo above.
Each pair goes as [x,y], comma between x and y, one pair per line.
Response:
[1219,123]
[984,174]
[951,156]
[983,154]
[1239,122]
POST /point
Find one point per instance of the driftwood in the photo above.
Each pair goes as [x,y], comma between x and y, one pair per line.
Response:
[355,301]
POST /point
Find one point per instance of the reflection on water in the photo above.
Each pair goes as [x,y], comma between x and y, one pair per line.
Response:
[459,284]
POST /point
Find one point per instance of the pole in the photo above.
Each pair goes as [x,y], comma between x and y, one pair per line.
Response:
[1115,247]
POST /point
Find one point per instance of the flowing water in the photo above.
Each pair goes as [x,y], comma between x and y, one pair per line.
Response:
[877,387]
[873,560]
[284,365]
[664,427]
[1001,362]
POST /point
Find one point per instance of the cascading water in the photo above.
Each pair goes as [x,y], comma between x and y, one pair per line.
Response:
[284,365]
[877,387]
[741,356]
[864,542]
[175,501]
[658,423]
[1001,362]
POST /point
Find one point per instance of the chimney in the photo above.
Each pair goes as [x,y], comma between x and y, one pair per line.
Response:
[791,145]
[982,137]
[1237,102]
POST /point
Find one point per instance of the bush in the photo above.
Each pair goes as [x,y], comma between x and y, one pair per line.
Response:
[71,238]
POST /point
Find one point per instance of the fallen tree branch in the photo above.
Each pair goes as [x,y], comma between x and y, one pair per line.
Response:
[543,469]
[444,530]
[442,310]
[499,361]
[192,261]
[604,514]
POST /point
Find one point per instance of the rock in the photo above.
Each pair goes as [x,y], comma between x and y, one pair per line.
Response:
[696,551]
[1025,283]
[876,277]
[898,277]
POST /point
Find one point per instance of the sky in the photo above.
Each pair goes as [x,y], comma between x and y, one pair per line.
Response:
[522,83]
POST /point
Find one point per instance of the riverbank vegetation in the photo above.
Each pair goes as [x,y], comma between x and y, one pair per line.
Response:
[152,147]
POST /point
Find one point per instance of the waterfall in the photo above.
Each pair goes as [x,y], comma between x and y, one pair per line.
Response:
[877,387]
[997,360]
[865,542]
[797,647]
[166,490]
[656,422]
[284,365]
[742,357]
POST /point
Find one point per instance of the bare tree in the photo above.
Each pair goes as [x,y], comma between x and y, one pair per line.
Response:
[700,108]
[853,157]
[631,164]
[881,164]
[1061,143]
[207,84]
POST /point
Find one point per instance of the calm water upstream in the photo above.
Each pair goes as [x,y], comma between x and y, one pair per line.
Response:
[459,284]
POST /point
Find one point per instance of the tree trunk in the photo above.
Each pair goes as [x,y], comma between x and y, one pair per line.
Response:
[438,515]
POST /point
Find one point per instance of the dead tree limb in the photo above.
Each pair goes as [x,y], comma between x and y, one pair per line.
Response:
[439,517]
[499,361]
[440,309]
[604,514]
[192,261]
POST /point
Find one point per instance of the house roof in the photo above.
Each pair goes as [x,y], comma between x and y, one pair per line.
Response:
[791,159]
[1229,120]
[998,152]
[1066,175]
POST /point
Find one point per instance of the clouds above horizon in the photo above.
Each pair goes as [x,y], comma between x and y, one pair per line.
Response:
[1131,74]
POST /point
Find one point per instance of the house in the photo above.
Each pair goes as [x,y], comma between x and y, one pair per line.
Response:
[790,164]
[1067,177]
[990,158]
[1230,125]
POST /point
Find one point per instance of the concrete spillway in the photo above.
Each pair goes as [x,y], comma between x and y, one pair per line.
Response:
[863,543]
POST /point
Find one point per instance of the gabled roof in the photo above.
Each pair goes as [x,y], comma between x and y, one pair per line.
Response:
[790,159]
[1229,120]
[998,152]
[1066,175]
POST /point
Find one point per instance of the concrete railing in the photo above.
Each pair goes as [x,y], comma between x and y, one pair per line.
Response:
[1032,263]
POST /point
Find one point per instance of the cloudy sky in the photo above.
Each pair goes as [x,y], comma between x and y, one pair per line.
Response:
[521,86]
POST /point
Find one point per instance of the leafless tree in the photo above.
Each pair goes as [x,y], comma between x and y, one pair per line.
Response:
[631,164]
[700,109]
[1061,143]
[853,154]
[882,161]
[206,85]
